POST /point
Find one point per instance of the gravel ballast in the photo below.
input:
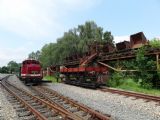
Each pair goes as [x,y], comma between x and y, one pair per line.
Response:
[6,109]
[118,106]
[14,80]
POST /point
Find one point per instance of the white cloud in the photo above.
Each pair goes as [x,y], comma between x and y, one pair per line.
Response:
[36,21]
[121,38]
[37,18]
[7,55]
[27,18]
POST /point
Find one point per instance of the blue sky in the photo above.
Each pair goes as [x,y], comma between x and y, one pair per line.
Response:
[26,25]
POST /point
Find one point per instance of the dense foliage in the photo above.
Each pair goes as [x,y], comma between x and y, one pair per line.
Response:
[4,69]
[75,41]
[34,55]
[12,67]
[145,74]
[155,43]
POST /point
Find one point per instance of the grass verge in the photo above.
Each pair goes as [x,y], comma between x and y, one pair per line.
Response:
[50,78]
[130,85]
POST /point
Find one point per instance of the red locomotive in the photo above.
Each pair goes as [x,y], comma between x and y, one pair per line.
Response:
[30,71]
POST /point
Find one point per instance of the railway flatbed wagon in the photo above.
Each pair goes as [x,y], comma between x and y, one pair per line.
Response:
[92,77]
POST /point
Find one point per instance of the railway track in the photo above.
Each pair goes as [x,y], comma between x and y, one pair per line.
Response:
[133,94]
[70,105]
[45,104]
[33,108]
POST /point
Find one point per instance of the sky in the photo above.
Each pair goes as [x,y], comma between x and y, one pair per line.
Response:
[27,25]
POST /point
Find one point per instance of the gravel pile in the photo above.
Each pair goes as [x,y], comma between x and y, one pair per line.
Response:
[118,106]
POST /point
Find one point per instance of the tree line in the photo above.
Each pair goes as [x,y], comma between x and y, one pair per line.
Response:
[75,41]
[12,67]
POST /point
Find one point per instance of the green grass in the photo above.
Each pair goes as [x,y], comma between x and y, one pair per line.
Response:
[50,78]
[129,84]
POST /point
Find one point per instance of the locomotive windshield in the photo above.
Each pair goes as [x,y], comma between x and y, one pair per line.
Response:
[30,62]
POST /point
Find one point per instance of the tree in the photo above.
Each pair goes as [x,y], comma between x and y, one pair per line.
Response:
[108,37]
[155,43]
[146,67]
[34,55]
[87,34]
[73,42]
[13,67]
[4,69]
[48,54]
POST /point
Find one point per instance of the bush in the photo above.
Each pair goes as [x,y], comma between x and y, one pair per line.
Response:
[146,67]
[147,85]
[116,79]
[155,43]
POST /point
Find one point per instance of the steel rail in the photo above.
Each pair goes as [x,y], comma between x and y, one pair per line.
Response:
[93,113]
[29,107]
[41,93]
[132,94]
[62,112]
